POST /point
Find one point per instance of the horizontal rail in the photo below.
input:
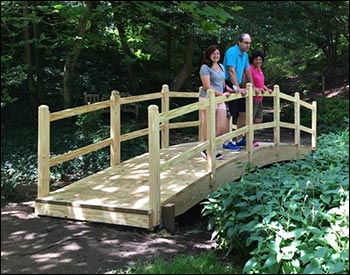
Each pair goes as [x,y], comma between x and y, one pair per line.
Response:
[79,152]
[264,125]
[182,110]
[306,129]
[231,135]
[287,125]
[183,94]
[184,156]
[287,97]
[80,110]
[306,105]
[177,125]
[139,98]
[134,134]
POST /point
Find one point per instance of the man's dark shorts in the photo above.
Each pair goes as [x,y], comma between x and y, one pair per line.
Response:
[236,106]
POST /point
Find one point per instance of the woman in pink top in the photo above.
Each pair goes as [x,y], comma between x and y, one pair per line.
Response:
[256,59]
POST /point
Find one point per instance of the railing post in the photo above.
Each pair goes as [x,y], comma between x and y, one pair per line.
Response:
[249,121]
[154,163]
[201,120]
[115,129]
[165,108]
[314,125]
[297,121]
[276,115]
[43,151]
[211,134]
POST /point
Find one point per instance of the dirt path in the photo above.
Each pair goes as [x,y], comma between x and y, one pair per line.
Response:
[38,245]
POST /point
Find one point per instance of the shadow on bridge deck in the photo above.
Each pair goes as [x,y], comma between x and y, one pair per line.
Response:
[120,194]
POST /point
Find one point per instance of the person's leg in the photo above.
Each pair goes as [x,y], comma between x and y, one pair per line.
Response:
[203,114]
[257,112]
[221,126]
[225,128]
[203,117]
[241,120]
[257,116]
[203,121]
[241,117]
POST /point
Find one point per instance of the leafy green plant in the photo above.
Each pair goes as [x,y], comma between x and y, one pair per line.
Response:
[290,218]
[332,114]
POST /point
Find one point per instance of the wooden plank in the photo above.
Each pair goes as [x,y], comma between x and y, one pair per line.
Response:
[80,110]
[79,152]
[176,125]
[43,151]
[154,163]
[139,98]
[184,94]
[93,215]
[168,217]
[174,113]
[165,108]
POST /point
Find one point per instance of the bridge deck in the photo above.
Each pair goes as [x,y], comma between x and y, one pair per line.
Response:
[119,195]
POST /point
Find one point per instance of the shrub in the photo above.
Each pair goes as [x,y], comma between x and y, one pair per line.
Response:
[290,218]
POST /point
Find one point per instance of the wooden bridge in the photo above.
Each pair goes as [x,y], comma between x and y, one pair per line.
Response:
[154,188]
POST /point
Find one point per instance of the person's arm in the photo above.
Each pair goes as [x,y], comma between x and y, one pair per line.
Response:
[233,78]
[206,84]
[249,76]
[267,89]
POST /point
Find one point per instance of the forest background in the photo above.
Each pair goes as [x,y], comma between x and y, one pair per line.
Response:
[54,51]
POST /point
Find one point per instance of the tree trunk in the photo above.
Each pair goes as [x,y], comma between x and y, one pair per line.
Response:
[168,52]
[132,84]
[38,68]
[69,67]
[28,61]
[187,67]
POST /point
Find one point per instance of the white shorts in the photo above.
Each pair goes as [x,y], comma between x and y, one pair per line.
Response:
[219,106]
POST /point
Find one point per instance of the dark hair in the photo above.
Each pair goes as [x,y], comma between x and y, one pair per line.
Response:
[255,55]
[206,58]
[241,36]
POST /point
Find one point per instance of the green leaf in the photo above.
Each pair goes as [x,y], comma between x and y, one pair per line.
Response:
[337,268]
[313,268]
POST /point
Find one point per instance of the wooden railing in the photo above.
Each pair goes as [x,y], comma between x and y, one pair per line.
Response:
[158,133]
[115,104]
[155,119]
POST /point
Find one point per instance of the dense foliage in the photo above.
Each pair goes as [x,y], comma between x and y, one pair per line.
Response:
[54,51]
[332,114]
[291,218]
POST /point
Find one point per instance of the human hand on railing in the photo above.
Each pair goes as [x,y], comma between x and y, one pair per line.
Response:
[227,93]
[258,91]
[242,91]
[266,90]
[229,89]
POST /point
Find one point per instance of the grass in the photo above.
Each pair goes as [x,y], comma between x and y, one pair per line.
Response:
[204,263]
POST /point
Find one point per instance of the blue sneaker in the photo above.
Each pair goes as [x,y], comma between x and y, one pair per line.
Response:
[242,142]
[229,145]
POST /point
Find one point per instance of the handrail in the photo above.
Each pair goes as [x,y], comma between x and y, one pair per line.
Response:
[114,103]
[160,123]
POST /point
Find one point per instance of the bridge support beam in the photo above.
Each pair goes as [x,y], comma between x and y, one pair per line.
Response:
[168,217]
